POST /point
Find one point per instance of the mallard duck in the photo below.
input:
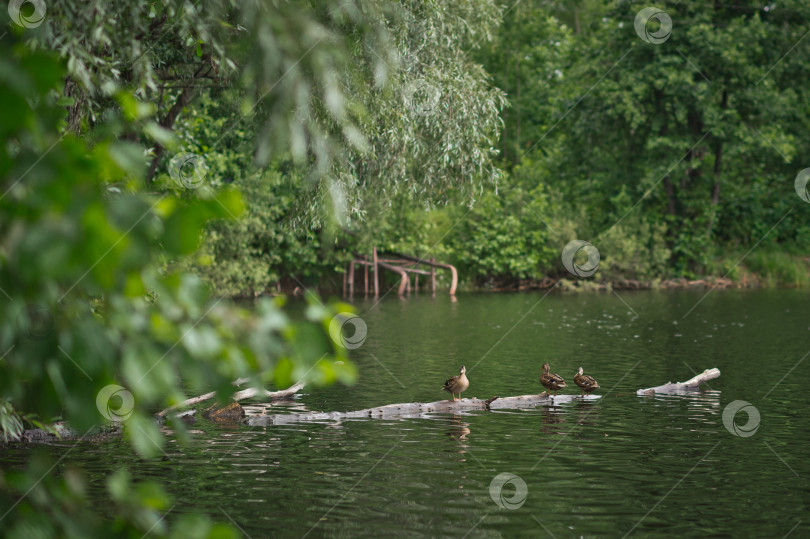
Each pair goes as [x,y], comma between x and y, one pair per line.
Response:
[587,383]
[550,381]
[458,383]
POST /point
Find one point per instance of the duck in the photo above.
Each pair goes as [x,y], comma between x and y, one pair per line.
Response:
[457,383]
[551,381]
[587,383]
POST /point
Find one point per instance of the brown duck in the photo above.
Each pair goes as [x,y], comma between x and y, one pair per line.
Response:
[457,384]
[587,383]
[552,382]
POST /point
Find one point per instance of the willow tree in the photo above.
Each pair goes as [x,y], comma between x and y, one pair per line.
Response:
[433,129]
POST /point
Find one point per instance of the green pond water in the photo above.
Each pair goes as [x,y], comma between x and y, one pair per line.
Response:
[617,465]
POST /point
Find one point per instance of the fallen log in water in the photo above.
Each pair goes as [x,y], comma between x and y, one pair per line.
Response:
[402,410]
[418,409]
[692,383]
[238,396]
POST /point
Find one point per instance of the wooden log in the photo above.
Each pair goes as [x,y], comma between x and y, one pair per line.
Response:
[433,263]
[433,276]
[376,273]
[365,279]
[239,395]
[403,410]
[351,279]
[453,279]
[418,409]
[406,269]
[403,283]
[272,395]
[676,387]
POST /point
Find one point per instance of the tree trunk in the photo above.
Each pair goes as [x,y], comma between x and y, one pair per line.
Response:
[718,169]
[517,103]
[74,115]
[185,97]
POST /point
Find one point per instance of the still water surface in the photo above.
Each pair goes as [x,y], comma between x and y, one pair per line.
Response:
[621,464]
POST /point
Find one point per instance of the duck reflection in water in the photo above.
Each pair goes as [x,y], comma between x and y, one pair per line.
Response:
[550,416]
[458,432]
[587,412]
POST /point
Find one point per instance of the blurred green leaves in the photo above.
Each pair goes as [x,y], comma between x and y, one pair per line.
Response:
[91,298]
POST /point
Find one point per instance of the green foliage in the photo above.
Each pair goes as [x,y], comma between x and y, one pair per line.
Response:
[253,254]
[60,507]
[505,236]
[603,140]
[285,58]
[702,130]
[777,268]
[90,303]
[432,131]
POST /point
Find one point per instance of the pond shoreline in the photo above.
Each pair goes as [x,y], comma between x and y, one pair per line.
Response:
[749,281]
[585,285]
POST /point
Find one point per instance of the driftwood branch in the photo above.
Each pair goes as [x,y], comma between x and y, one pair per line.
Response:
[238,396]
[692,383]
